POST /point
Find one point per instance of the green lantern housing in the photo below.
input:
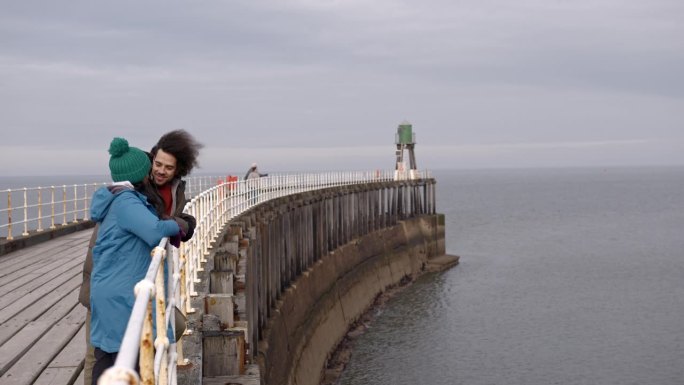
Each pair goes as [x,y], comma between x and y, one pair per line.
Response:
[405,134]
[405,139]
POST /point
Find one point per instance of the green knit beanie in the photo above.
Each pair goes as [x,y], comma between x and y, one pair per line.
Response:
[127,163]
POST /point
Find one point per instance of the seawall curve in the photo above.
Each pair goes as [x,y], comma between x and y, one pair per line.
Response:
[314,313]
[298,271]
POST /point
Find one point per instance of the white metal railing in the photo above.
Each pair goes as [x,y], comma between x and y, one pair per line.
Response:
[40,208]
[212,208]
[35,209]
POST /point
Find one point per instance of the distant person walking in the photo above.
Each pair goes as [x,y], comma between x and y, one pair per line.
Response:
[252,177]
[128,229]
[253,172]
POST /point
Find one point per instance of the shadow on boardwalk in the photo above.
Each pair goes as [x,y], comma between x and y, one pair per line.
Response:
[42,331]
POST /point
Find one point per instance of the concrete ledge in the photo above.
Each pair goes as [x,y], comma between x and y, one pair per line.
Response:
[442,263]
[36,237]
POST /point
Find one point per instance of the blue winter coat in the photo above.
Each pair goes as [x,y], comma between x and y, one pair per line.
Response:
[128,230]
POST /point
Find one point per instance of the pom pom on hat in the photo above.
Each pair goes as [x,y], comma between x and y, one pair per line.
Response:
[118,147]
[127,163]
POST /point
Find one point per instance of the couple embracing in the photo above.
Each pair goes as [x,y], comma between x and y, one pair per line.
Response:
[143,205]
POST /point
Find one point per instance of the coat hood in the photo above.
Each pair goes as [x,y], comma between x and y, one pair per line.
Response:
[103,198]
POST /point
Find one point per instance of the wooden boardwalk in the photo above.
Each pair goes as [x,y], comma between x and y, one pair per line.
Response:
[42,331]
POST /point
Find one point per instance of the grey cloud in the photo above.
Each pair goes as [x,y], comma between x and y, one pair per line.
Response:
[309,74]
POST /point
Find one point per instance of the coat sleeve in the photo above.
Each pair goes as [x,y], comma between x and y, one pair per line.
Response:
[185,220]
[137,219]
[190,223]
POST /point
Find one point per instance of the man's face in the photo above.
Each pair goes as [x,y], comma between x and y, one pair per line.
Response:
[163,168]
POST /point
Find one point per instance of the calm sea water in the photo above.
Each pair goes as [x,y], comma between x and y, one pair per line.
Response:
[566,277]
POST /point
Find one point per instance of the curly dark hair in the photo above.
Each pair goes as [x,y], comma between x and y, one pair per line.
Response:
[183,147]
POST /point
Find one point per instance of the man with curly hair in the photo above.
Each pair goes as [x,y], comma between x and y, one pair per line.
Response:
[173,157]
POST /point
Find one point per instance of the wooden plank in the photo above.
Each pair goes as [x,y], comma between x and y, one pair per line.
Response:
[37,308]
[18,262]
[67,268]
[42,273]
[29,252]
[74,353]
[67,365]
[79,380]
[41,295]
[60,376]
[46,256]
[54,312]
[79,236]
[10,328]
[28,274]
[38,312]
[31,364]
[39,250]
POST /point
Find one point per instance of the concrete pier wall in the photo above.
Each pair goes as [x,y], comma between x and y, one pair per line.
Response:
[314,313]
[300,270]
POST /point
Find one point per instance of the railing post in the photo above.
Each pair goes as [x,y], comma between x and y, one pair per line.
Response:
[40,209]
[52,207]
[185,282]
[146,357]
[176,301]
[25,233]
[64,210]
[205,214]
[194,259]
[197,240]
[9,215]
[75,204]
[161,343]
[224,201]
[85,202]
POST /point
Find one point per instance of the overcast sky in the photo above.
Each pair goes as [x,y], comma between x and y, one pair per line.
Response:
[316,84]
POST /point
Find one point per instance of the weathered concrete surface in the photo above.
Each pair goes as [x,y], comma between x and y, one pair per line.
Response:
[314,314]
